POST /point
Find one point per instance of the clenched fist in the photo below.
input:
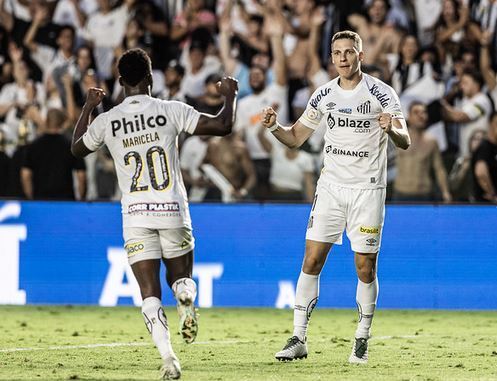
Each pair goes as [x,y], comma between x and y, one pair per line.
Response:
[268,117]
[227,86]
[385,121]
[94,97]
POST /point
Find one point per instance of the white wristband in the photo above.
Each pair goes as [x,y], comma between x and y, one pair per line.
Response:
[274,127]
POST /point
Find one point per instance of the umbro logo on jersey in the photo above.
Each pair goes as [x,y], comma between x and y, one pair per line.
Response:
[364,108]
[330,106]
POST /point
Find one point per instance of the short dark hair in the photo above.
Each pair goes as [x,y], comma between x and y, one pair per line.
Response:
[134,66]
[66,27]
[476,76]
[414,104]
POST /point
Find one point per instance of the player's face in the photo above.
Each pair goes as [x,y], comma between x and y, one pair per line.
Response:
[346,57]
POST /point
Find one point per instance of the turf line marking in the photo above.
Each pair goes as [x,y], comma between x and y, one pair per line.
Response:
[213,342]
[110,345]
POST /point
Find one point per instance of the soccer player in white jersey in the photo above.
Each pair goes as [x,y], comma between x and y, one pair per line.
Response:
[141,134]
[360,112]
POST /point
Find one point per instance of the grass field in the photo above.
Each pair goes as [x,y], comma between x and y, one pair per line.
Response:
[47,343]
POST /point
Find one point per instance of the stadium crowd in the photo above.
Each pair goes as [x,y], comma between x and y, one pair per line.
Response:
[440,56]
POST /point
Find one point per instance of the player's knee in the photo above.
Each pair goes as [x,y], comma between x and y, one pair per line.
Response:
[312,265]
[366,272]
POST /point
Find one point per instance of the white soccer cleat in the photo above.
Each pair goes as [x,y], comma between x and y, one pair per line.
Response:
[359,353]
[170,370]
[294,349]
[188,318]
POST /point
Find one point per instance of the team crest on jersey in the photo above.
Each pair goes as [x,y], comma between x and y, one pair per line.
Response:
[330,121]
[364,108]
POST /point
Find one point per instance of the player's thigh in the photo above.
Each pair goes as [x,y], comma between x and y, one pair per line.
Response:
[327,218]
[141,244]
[365,220]
[176,242]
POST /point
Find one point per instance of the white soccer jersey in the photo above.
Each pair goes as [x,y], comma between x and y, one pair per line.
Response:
[141,134]
[355,150]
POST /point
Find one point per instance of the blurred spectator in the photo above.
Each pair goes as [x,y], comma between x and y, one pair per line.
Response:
[200,67]
[473,111]
[230,157]
[378,37]
[21,100]
[5,168]
[192,156]
[74,13]
[450,30]
[211,101]
[484,12]
[104,31]
[406,68]
[461,181]
[487,72]
[249,108]
[292,171]
[194,16]
[15,186]
[173,76]
[427,14]
[232,64]
[156,32]
[47,172]
[415,166]
[484,165]
[105,175]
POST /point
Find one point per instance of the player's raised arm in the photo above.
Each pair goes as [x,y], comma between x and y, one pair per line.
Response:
[93,99]
[293,136]
[396,128]
[222,123]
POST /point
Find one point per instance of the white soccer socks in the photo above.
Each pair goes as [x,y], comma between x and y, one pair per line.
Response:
[185,285]
[305,300]
[366,296]
[156,323]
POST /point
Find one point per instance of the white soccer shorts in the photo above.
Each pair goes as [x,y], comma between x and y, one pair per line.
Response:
[360,212]
[143,243]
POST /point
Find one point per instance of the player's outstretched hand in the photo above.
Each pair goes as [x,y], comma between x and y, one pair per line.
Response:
[268,117]
[94,97]
[385,120]
[227,86]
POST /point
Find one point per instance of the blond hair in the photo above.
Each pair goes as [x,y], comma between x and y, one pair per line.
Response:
[350,35]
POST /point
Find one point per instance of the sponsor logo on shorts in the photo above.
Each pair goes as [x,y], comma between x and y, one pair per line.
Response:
[371,242]
[156,207]
[134,248]
[369,229]
[185,244]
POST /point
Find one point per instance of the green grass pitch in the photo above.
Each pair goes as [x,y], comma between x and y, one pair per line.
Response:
[239,344]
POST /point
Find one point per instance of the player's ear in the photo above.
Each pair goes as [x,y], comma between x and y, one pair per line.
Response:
[121,81]
[150,80]
[361,56]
